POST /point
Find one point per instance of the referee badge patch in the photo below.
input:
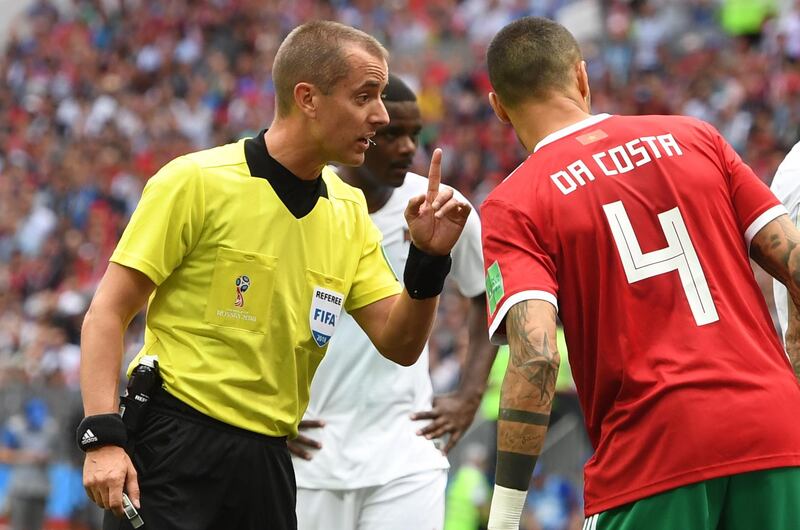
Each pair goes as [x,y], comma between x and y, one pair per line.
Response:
[326,306]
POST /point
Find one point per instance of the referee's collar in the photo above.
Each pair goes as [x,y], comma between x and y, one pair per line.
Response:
[298,195]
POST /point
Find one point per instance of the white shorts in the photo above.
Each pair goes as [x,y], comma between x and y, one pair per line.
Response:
[415,501]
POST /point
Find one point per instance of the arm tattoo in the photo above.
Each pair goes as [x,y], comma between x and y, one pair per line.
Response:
[792,339]
[776,248]
[527,393]
[524,416]
[534,359]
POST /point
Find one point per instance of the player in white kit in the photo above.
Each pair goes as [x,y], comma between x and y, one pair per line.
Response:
[786,186]
[366,457]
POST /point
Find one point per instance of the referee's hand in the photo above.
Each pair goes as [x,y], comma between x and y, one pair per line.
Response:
[107,471]
[436,219]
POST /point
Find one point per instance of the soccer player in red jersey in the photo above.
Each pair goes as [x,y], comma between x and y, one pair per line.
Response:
[636,231]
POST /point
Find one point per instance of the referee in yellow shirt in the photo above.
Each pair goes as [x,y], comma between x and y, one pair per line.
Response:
[247,253]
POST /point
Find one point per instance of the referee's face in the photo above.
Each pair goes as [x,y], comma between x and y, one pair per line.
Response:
[350,115]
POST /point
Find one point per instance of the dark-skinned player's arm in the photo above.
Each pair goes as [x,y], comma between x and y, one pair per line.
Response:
[526,398]
[776,248]
[399,325]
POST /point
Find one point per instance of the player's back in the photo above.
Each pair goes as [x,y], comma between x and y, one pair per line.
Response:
[644,223]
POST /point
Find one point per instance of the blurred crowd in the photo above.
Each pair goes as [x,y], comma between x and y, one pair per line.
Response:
[96,95]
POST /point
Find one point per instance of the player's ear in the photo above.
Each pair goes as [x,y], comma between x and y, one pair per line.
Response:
[583,84]
[306,99]
[498,109]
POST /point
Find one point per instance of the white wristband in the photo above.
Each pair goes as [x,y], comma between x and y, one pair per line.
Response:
[506,510]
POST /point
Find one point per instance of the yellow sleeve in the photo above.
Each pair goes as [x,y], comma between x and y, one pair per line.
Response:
[374,279]
[166,223]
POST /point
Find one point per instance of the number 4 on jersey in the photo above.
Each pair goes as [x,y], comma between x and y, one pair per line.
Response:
[679,254]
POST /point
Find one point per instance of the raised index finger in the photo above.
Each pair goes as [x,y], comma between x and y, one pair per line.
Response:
[434,176]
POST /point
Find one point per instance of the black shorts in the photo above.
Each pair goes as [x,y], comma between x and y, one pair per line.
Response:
[197,473]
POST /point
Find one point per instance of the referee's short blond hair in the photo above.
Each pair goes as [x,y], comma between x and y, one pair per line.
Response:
[314,53]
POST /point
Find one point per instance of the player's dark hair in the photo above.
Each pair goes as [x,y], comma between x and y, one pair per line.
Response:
[397,91]
[315,53]
[530,58]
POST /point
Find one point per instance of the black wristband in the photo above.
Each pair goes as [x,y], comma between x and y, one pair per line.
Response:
[101,429]
[514,470]
[424,273]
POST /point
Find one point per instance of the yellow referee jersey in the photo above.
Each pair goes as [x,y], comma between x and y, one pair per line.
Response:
[253,268]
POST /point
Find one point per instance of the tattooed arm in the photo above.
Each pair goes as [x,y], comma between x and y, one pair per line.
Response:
[525,401]
[793,336]
[776,248]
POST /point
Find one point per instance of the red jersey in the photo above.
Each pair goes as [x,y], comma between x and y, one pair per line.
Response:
[637,229]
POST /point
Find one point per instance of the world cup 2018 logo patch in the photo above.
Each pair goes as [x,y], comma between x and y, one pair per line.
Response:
[242,285]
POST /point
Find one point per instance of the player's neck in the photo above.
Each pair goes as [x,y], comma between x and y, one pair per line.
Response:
[536,120]
[288,144]
[376,195]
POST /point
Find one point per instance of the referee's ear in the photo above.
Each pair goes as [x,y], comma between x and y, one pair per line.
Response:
[305,99]
[498,109]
